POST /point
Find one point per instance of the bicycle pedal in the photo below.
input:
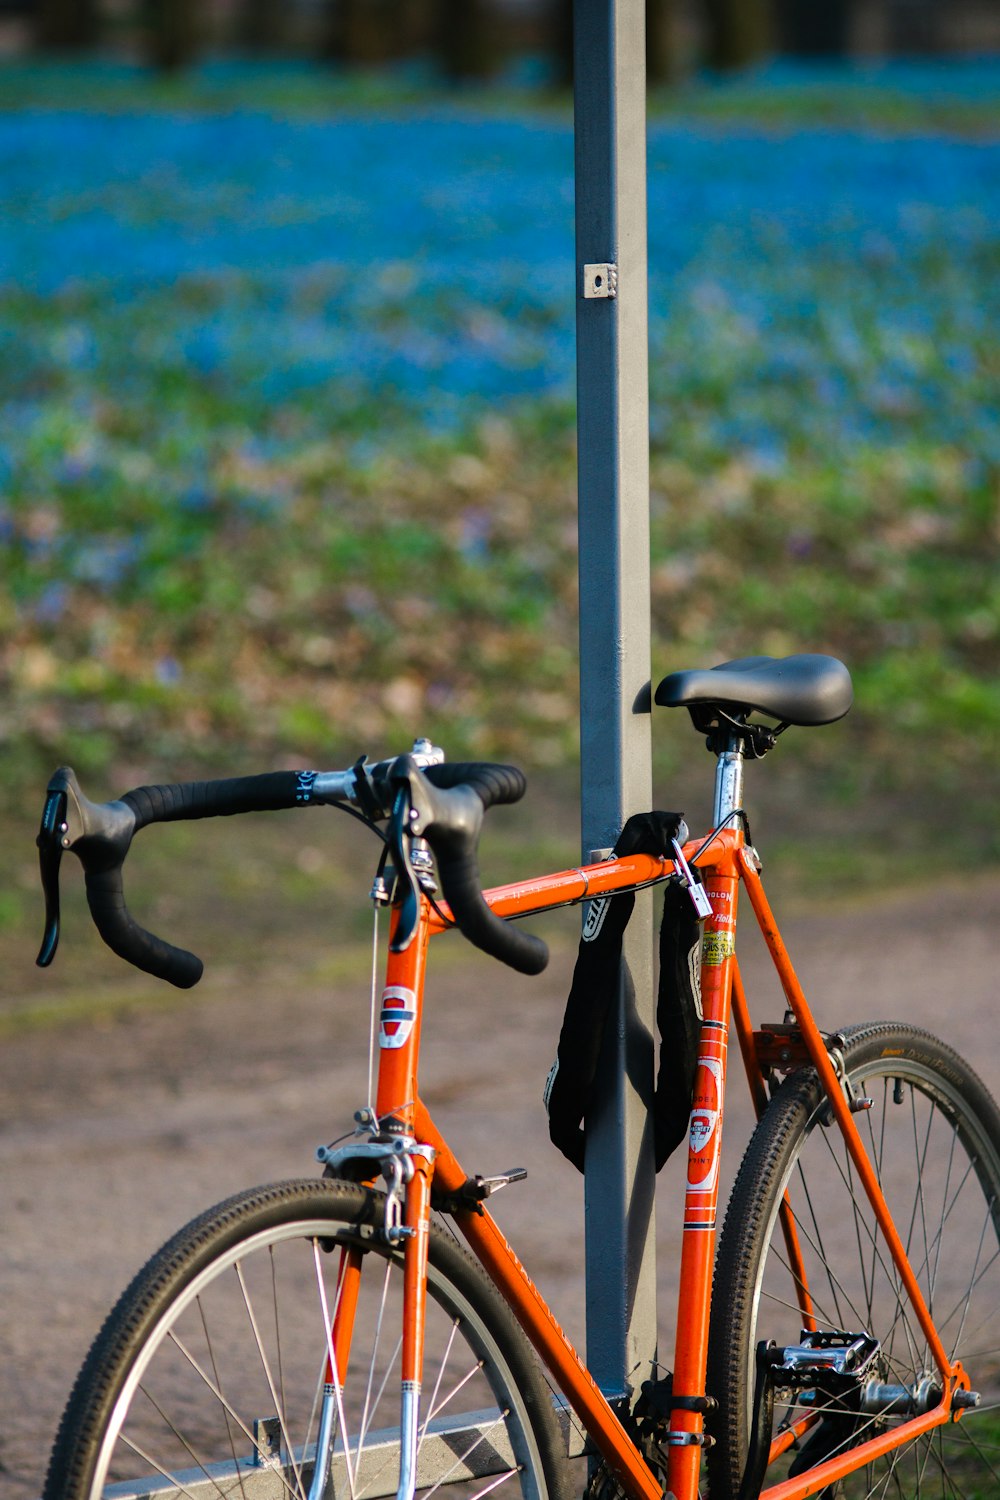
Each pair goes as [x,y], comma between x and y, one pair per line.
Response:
[470,1196]
[821,1357]
[501,1180]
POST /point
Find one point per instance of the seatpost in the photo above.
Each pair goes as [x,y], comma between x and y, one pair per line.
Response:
[728,781]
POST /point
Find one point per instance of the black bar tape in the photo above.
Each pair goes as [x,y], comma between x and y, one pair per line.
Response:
[493,784]
[220,799]
[103,833]
[459,869]
[462,889]
[125,937]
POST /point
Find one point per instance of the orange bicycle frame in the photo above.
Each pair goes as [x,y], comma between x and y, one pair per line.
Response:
[724,864]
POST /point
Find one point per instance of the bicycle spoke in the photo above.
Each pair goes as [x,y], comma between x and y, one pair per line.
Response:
[459,1385]
[489,1488]
[381,1390]
[919,1211]
[968,1293]
[815,1243]
[227,1407]
[155,1468]
[891,1270]
[877,1155]
[215,1373]
[917,1270]
[939,1236]
[819,1310]
[872,1234]
[464,1457]
[947,1474]
[431,1404]
[971,1288]
[337,1382]
[277,1340]
[363,1428]
[868,1284]
[280,1411]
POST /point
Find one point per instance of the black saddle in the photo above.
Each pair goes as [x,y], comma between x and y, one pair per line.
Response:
[801,690]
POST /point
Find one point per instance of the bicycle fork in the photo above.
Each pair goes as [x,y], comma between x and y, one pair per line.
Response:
[408,1169]
[383,1143]
[417,1223]
[332,1406]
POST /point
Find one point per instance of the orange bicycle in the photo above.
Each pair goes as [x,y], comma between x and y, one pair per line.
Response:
[333,1338]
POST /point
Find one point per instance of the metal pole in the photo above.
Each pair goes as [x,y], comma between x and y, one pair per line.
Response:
[613,439]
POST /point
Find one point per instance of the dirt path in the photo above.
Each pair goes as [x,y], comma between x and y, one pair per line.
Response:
[112,1134]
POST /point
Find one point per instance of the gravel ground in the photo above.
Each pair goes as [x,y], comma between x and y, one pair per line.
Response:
[114,1132]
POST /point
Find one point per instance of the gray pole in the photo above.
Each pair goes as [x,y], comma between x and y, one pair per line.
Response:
[613,436]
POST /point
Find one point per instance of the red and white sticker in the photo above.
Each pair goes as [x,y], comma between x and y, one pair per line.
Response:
[703,1162]
[399,1011]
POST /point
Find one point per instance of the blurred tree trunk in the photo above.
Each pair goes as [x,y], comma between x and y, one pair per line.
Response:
[560,42]
[260,25]
[66,25]
[363,33]
[914,26]
[739,32]
[806,29]
[172,33]
[466,40]
[662,64]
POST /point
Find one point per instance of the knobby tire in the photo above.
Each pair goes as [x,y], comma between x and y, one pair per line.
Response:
[208,1374]
[933,1135]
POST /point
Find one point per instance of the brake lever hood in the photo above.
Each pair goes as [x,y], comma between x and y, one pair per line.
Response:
[50,853]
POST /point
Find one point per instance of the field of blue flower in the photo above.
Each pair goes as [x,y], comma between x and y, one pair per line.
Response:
[286,437]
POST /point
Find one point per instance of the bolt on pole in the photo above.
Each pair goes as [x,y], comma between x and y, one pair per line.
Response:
[616,757]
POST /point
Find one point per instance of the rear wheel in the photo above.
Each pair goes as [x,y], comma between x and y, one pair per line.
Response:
[208,1378]
[933,1135]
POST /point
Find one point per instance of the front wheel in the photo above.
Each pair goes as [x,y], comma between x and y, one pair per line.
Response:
[211,1377]
[932,1132]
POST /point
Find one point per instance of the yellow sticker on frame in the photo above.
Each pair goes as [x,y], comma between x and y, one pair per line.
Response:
[716,947]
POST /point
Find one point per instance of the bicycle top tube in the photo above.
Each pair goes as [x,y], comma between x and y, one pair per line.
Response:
[526,898]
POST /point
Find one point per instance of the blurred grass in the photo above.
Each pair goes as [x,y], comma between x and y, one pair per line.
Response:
[281,510]
[437,594]
[957,96]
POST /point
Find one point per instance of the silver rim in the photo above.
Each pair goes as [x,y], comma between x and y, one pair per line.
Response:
[226,1395]
[941,1176]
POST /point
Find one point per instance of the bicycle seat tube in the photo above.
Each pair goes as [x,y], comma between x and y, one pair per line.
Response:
[686,1437]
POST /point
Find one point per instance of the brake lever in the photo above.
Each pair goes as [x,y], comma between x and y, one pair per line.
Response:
[50,852]
[409,906]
